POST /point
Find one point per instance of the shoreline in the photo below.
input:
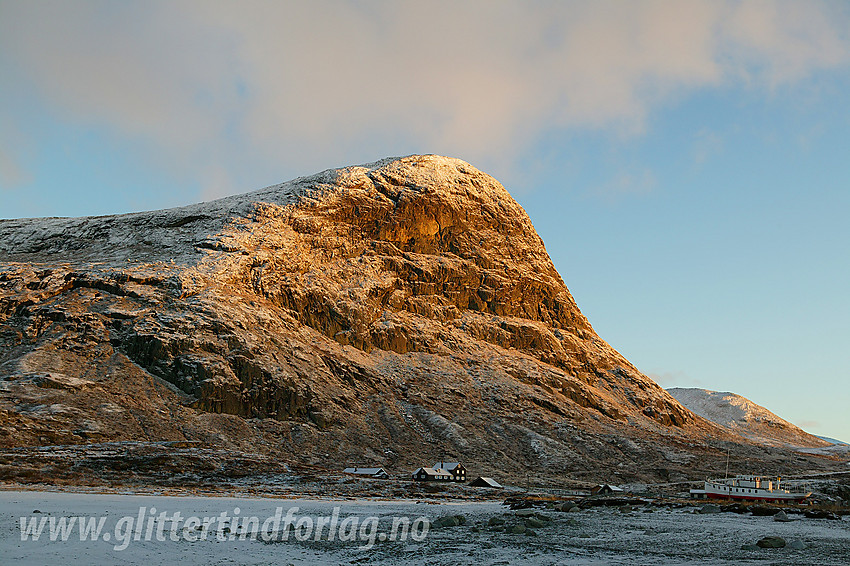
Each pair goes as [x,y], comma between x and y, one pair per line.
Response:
[459,531]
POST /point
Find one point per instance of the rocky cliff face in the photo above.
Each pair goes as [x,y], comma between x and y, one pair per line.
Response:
[390,314]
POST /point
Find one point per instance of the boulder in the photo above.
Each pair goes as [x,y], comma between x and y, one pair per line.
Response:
[782,517]
[749,547]
[450,521]
[517,529]
[534,522]
[820,514]
[445,522]
[762,511]
[525,513]
[709,508]
[797,545]
[771,542]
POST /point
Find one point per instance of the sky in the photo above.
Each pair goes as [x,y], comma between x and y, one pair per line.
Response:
[687,163]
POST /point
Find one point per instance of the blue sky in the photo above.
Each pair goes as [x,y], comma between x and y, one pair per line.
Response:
[686,163]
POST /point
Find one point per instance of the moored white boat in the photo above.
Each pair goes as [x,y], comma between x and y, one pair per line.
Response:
[753,488]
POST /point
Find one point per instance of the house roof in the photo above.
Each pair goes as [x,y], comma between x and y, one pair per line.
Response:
[364,471]
[448,466]
[489,481]
[609,486]
[433,472]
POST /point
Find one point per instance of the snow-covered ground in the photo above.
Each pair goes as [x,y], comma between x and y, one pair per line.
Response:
[594,536]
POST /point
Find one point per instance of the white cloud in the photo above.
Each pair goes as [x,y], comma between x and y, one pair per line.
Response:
[314,84]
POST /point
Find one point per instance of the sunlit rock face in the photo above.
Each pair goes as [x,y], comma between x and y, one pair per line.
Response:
[393,313]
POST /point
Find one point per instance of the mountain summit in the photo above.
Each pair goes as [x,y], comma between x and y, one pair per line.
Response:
[394,313]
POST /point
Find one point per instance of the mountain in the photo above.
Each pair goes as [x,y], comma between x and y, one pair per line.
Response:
[833,441]
[742,416]
[390,314]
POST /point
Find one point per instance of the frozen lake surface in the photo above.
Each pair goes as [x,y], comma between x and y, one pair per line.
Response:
[593,536]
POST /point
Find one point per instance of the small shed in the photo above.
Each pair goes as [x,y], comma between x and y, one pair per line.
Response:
[699,494]
[481,481]
[378,473]
[455,469]
[607,489]
[430,474]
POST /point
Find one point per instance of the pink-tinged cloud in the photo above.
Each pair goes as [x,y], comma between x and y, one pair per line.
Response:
[210,87]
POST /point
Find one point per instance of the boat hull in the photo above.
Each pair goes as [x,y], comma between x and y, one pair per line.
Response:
[756,497]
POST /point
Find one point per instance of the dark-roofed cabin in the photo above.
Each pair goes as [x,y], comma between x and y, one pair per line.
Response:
[455,469]
[430,474]
[607,489]
[378,473]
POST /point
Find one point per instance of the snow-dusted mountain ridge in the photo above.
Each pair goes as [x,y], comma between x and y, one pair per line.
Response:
[744,417]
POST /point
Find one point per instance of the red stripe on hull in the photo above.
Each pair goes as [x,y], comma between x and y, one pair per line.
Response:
[753,497]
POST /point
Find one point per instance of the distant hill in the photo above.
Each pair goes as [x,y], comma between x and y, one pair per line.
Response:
[833,441]
[742,416]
